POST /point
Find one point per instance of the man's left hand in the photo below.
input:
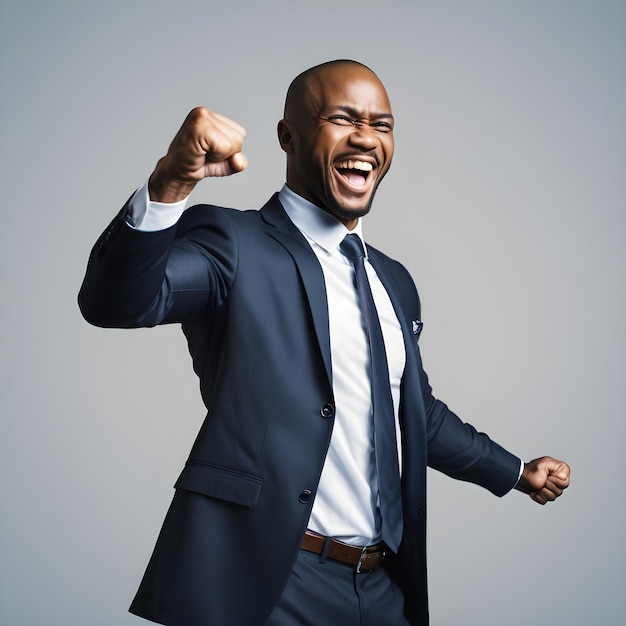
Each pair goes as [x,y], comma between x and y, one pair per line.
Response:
[544,479]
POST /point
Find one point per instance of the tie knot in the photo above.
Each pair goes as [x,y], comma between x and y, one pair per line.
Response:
[352,246]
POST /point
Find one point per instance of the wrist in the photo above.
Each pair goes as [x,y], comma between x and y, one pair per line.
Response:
[523,484]
[162,188]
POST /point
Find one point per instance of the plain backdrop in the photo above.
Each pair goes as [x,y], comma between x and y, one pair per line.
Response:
[506,201]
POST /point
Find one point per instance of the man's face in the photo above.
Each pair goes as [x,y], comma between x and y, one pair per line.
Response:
[332,161]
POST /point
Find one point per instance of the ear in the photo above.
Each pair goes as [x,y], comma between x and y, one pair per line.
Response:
[285,137]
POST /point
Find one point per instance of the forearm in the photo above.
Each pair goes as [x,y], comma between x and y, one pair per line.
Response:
[125,275]
[460,451]
[177,274]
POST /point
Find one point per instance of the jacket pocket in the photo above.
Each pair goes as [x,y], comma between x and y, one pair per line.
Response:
[220,482]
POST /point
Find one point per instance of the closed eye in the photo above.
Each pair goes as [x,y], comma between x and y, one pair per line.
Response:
[341,120]
[383,127]
[344,120]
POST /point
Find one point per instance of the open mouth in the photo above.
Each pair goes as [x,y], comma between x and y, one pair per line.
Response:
[355,173]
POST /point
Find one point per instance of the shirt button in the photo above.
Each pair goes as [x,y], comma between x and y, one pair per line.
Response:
[305,496]
[328,410]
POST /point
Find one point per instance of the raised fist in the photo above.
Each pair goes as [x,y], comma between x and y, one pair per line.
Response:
[207,144]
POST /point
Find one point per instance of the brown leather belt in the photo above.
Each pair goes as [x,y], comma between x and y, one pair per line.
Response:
[365,559]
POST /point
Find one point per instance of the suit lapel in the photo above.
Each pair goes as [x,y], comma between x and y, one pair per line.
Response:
[394,290]
[285,232]
[411,400]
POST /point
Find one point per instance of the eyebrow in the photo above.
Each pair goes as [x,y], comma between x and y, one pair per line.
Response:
[356,115]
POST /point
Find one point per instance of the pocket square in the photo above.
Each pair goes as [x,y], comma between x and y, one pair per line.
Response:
[417,327]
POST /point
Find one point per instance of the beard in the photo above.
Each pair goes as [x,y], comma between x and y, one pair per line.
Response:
[345,213]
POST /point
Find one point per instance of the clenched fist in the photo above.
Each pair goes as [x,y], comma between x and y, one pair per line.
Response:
[544,479]
[207,144]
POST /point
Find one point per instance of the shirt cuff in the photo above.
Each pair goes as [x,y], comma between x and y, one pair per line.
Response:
[521,469]
[145,215]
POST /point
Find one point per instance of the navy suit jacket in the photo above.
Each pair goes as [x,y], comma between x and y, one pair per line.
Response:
[250,295]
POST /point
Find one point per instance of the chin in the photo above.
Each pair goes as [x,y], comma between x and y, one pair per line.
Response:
[352,214]
[344,212]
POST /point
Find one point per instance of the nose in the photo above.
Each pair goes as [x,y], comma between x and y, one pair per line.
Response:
[363,136]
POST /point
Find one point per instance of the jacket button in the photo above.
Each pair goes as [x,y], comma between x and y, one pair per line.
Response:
[305,496]
[328,410]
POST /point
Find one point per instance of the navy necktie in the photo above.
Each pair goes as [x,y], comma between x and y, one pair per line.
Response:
[390,497]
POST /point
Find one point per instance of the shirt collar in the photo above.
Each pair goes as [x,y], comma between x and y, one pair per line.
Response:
[315,223]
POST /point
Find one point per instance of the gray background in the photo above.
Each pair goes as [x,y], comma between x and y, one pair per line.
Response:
[506,201]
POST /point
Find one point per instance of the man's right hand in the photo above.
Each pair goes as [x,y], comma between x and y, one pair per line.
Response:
[207,144]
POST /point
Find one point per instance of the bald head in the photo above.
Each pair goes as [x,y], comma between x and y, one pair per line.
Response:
[306,86]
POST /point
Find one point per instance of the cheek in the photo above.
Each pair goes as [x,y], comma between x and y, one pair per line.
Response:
[388,147]
[329,143]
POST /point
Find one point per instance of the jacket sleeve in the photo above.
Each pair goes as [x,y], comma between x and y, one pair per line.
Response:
[136,278]
[460,451]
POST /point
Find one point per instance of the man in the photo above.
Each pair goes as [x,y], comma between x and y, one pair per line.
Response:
[286,512]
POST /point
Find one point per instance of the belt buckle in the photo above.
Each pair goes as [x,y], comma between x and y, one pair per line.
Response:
[364,552]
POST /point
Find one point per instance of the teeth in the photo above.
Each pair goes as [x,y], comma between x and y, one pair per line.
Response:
[363,166]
